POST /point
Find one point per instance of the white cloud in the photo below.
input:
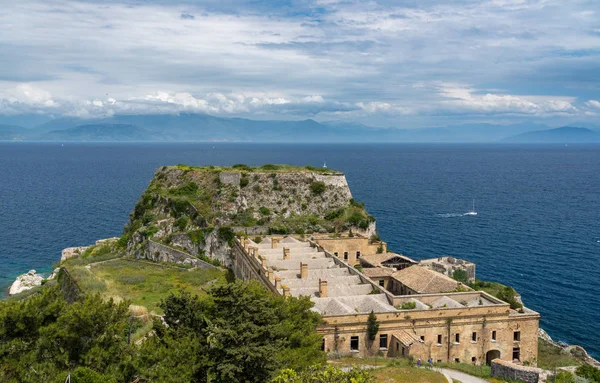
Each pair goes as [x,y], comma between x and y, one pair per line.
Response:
[593,104]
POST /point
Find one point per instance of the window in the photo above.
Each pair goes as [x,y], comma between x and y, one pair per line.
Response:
[474,337]
[345,255]
[423,338]
[358,255]
[457,360]
[383,341]
[354,343]
[439,361]
[323,345]
[439,339]
[516,353]
[457,338]
[517,336]
[336,254]
[381,282]
[473,360]
[494,335]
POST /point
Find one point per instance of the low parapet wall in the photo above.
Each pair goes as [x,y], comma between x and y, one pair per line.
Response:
[162,253]
[513,371]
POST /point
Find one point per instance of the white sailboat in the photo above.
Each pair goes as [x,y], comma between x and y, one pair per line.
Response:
[472,212]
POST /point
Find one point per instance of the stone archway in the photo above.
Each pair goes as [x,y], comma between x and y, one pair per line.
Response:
[491,355]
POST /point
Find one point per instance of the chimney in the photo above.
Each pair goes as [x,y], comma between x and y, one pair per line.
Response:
[270,275]
[274,242]
[277,283]
[263,262]
[322,288]
[286,291]
[303,270]
[286,253]
[245,244]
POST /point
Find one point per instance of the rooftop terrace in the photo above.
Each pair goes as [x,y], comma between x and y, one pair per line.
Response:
[300,268]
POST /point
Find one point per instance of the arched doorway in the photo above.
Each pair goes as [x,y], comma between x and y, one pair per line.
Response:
[491,355]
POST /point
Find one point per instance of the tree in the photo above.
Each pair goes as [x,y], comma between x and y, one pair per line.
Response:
[44,335]
[238,332]
[372,326]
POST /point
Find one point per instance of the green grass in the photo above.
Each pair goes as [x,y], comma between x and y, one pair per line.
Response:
[267,168]
[393,374]
[142,283]
[550,356]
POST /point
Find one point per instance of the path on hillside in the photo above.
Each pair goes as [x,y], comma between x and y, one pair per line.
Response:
[464,378]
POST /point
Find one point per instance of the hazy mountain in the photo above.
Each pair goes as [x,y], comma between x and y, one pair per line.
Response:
[100,132]
[562,135]
[202,127]
[13,133]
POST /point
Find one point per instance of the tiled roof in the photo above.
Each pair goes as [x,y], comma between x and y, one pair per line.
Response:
[407,338]
[377,259]
[425,281]
[373,272]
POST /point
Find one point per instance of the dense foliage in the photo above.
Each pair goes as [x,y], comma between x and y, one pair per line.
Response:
[591,373]
[327,374]
[238,332]
[44,336]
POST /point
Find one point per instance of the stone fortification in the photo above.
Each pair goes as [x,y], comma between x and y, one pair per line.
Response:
[161,253]
[197,210]
[515,372]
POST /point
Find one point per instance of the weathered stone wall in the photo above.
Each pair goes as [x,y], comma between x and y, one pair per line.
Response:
[350,245]
[513,371]
[158,252]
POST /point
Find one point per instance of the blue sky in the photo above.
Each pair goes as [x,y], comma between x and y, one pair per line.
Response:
[383,63]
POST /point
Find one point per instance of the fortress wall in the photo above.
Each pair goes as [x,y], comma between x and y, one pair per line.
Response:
[158,252]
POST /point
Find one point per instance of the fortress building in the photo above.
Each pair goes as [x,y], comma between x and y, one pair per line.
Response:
[422,313]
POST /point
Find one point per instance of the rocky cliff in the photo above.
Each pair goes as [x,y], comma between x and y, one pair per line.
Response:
[198,210]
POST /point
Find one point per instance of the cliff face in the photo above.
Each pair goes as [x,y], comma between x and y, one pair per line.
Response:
[198,210]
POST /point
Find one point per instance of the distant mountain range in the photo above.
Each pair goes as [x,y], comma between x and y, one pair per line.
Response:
[206,128]
[564,135]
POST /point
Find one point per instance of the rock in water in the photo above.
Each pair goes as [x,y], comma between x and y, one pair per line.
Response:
[25,282]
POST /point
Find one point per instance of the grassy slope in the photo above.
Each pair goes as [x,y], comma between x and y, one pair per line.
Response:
[550,356]
[393,370]
[104,270]
[267,168]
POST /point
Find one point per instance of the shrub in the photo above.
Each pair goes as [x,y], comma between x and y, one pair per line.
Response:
[188,189]
[181,222]
[242,167]
[257,189]
[318,187]
[257,239]
[591,373]
[334,214]
[460,275]
[244,181]
[408,306]
[226,234]
[270,167]
[264,211]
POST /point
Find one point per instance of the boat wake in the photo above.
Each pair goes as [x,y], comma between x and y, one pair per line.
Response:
[449,215]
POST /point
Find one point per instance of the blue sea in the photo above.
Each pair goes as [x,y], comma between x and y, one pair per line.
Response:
[537,229]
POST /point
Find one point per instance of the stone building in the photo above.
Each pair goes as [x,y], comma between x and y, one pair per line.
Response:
[461,326]
[350,249]
[448,265]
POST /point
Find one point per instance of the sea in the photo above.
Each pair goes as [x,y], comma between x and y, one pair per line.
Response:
[537,228]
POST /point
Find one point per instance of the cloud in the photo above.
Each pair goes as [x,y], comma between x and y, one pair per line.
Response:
[593,104]
[369,61]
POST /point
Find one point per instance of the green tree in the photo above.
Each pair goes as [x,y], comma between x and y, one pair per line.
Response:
[564,377]
[372,326]
[588,372]
[238,332]
[44,336]
[86,375]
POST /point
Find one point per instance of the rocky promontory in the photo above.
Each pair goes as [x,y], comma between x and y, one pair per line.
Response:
[25,282]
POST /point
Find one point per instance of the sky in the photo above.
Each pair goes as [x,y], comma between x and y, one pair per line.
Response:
[412,63]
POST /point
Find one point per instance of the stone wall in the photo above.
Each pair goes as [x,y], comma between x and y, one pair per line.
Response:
[513,371]
[158,252]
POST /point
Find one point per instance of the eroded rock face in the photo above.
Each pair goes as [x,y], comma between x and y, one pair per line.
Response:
[25,282]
